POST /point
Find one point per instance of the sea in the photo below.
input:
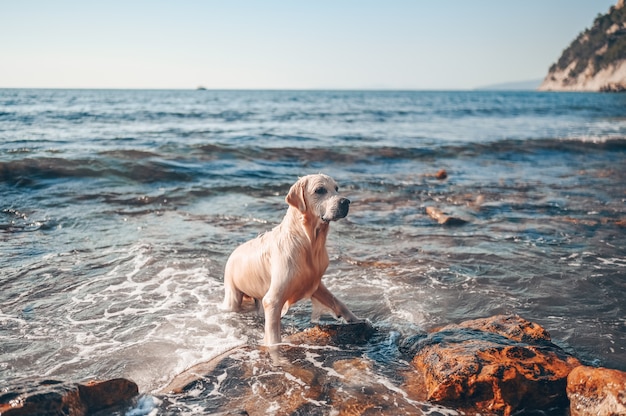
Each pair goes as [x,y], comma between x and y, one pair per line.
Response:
[119,209]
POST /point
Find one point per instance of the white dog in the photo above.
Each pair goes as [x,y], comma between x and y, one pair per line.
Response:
[286,264]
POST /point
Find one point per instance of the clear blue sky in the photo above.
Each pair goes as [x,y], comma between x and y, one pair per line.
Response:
[346,44]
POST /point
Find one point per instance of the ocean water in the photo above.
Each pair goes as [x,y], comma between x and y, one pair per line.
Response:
[118,210]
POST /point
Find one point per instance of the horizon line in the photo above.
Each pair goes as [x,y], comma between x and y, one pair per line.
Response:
[200,88]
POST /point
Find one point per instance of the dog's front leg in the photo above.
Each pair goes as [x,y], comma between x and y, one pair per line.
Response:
[323,296]
[272,306]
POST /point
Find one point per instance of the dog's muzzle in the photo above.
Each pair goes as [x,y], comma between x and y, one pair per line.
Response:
[340,211]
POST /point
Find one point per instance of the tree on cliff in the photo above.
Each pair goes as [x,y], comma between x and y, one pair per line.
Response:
[599,51]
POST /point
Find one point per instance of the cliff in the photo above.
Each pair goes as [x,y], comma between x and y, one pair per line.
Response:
[596,59]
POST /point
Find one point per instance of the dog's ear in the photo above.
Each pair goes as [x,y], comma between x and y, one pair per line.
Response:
[295,197]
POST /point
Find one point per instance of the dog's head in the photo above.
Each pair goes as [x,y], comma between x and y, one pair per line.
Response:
[318,196]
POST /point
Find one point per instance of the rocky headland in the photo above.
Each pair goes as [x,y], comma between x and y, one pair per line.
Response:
[596,59]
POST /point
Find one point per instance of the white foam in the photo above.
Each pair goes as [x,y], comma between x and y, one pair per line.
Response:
[142,318]
[311,357]
[146,406]
[615,261]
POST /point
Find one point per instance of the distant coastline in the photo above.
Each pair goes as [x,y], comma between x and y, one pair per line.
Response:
[529,85]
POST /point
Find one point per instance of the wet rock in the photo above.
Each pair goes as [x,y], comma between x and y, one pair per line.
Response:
[319,335]
[441,175]
[323,370]
[52,397]
[196,372]
[510,326]
[497,365]
[341,335]
[596,391]
[442,218]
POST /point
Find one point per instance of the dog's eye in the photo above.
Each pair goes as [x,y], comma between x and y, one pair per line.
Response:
[321,191]
[336,189]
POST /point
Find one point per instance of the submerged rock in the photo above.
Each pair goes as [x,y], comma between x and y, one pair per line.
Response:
[498,365]
[441,174]
[52,397]
[596,391]
[444,219]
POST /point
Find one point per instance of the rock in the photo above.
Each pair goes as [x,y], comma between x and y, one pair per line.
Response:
[512,327]
[341,335]
[103,394]
[322,370]
[319,335]
[613,87]
[442,218]
[596,391]
[190,375]
[497,365]
[441,175]
[52,397]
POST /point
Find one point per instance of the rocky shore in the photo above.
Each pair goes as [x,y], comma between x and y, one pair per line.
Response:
[500,365]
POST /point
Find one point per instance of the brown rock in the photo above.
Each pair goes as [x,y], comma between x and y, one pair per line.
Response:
[596,391]
[512,327]
[321,370]
[351,334]
[51,397]
[102,394]
[440,175]
[193,373]
[498,365]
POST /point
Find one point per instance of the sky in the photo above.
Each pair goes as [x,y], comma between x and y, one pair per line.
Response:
[281,44]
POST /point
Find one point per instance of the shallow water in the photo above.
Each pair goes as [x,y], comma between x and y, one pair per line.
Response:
[118,210]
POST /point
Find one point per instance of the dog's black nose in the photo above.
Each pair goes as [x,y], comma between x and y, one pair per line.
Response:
[344,206]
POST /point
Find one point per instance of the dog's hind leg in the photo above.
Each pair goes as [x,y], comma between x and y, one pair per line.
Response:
[258,305]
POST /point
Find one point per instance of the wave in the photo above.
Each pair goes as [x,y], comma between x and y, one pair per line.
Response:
[32,171]
[182,163]
[355,152]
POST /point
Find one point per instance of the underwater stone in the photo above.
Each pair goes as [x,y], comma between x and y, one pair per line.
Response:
[444,219]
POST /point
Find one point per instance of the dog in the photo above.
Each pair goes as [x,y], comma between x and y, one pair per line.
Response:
[286,264]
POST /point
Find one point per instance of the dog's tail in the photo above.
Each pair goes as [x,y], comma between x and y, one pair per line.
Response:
[232,298]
